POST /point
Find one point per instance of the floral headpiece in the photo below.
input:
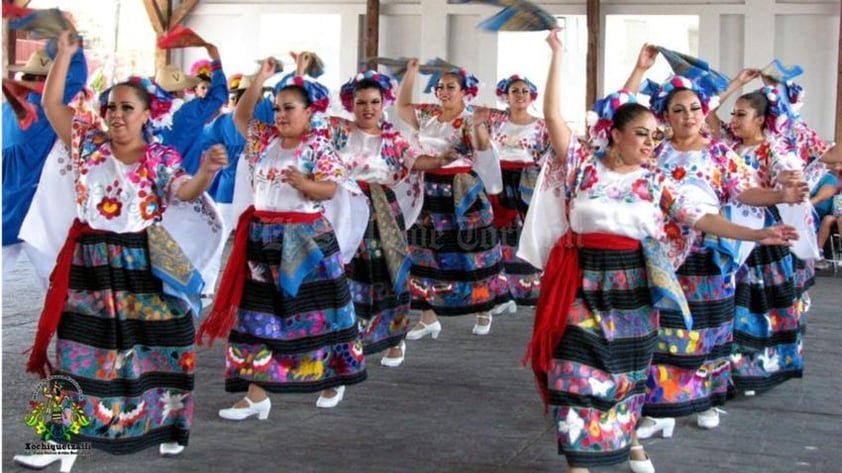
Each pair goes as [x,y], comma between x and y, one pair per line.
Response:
[660,93]
[504,84]
[386,84]
[601,119]
[201,67]
[318,94]
[777,114]
[471,82]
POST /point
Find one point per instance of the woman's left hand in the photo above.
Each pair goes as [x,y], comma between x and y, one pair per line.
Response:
[782,235]
[216,158]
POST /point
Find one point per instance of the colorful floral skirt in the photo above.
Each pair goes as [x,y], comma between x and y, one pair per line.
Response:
[128,346]
[598,377]
[691,368]
[523,279]
[456,258]
[382,309]
[302,343]
[767,346]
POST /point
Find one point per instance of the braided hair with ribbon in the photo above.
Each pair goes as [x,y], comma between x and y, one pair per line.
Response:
[505,83]
[777,111]
[362,80]
[601,120]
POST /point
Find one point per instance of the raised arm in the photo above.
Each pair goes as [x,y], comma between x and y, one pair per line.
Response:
[556,126]
[58,114]
[645,60]
[245,107]
[403,102]
[744,77]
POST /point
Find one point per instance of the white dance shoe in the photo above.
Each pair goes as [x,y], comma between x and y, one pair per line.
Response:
[419,332]
[482,329]
[329,402]
[650,426]
[641,466]
[396,361]
[39,461]
[260,409]
[709,419]
[170,449]
[506,307]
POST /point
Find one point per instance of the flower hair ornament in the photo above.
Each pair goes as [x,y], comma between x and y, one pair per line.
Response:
[601,119]
[384,82]
[777,114]
[234,82]
[660,92]
[504,84]
[202,67]
[318,94]
[471,82]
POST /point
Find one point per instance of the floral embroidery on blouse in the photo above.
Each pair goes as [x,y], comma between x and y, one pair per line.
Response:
[315,154]
[537,143]
[805,142]
[581,175]
[459,136]
[395,152]
[718,165]
[130,197]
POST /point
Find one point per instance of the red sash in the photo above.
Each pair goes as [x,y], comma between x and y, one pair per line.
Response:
[223,315]
[559,285]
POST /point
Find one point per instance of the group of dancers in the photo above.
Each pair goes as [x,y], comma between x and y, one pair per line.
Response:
[651,304]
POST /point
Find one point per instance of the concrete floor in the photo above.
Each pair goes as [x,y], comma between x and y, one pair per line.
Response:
[461,403]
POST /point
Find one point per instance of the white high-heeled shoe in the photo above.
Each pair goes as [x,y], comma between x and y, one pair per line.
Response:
[329,402]
[396,361]
[170,449]
[641,466]
[482,329]
[652,425]
[261,409]
[709,419]
[510,307]
[418,333]
[39,461]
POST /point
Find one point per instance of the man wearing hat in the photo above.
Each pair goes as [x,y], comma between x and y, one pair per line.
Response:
[190,117]
[26,148]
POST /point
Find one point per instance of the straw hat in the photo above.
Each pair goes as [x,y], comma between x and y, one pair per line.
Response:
[38,64]
[173,79]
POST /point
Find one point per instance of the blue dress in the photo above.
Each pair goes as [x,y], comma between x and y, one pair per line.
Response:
[26,151]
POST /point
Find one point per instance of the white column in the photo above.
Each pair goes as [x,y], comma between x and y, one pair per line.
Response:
[759,45]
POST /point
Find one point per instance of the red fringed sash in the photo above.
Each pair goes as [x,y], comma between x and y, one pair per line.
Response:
[223,315]
[559,285]
[55,300]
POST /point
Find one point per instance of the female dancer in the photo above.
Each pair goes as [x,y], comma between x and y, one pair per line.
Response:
[767,346]
[378,157]
[284,290]
[118,296]
[595,226]
[456,258]
[691,370]
[522,141]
